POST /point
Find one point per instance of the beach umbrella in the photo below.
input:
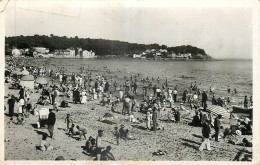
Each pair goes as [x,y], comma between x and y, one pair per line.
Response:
[25,72]
[41,80]
[27,78]
[218,110]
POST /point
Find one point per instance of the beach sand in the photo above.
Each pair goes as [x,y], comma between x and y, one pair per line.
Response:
[181,141]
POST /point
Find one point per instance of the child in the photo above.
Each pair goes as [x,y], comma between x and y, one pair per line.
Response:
[113,107]
[28,107]
[73,130]
[93,147]
[68,120]
[117,134]
[88,144]
[132,117]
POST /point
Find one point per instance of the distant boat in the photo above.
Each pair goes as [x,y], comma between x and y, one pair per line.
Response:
[237,109]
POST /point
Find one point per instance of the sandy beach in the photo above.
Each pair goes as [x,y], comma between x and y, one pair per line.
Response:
[181,141]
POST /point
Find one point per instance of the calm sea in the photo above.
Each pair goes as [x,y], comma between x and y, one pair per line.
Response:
[216,74]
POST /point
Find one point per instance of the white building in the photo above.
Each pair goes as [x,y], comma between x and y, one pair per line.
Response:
[88,54]
[137,55]
[40,51]
[69,53]
[163,50]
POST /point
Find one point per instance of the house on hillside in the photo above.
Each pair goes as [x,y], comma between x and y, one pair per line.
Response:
[69,53]
[40,51]
[88,54]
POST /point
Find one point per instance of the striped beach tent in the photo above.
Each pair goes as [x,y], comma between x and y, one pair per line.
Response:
[218,110]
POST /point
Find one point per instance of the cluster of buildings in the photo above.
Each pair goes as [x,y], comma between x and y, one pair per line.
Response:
[160,53]
[41,52]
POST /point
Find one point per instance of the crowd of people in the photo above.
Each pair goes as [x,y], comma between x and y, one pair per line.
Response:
[84,87]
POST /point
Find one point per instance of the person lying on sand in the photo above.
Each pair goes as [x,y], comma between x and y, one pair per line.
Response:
[182,108]
[45,145]
[160,126]
[128,136]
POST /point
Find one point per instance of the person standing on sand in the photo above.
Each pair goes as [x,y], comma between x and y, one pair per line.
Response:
[22,104]
[155,117]
[51,122]
[121,94]
[135,87]
[106,88]
[68,120]
[217,127]
[148,119]
[154,90]
[205,134]
[184,95]
[21,93]
[175,93]
[246,102]
[11,103]
[204,100]
[144,91]
[126,108]
[54,95]
[99,144]
[177,115]
[117,135]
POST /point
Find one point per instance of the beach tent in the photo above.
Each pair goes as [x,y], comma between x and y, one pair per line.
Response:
[25,72]
[41,80]
[27,81]
[218,110]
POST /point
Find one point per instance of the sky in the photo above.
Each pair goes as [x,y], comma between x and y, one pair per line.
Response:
[221,32]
